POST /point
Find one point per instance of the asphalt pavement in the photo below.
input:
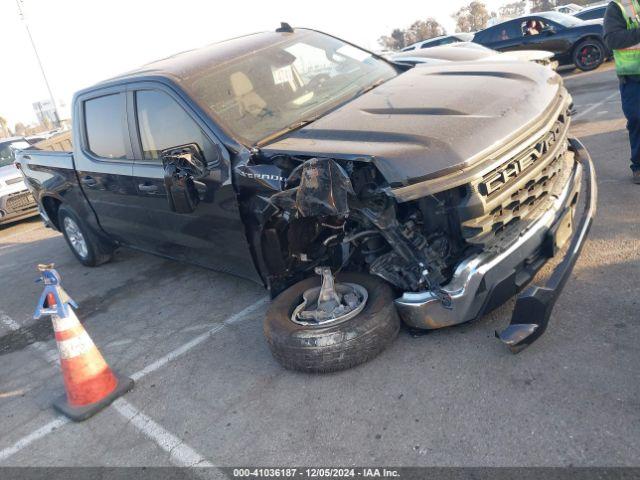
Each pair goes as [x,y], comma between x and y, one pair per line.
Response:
[208,391]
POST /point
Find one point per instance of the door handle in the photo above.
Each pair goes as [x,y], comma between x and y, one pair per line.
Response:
[89,181]
[145,187]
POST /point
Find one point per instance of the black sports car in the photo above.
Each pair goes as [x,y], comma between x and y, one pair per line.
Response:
[573,41]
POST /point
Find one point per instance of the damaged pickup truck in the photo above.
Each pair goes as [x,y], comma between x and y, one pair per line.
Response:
[358,191]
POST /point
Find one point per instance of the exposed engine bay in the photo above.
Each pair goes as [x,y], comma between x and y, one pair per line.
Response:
[340,213]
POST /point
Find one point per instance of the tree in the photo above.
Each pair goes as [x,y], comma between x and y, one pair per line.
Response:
[418,31]
[542,5]
[423,30]
[472,18]
[512,10]
[20,129]
[396,41]
[3,127]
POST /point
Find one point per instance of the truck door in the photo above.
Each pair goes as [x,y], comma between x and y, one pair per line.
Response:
[104,162]
[213,235]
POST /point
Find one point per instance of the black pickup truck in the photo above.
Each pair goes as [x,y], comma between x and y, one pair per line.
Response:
[358,191]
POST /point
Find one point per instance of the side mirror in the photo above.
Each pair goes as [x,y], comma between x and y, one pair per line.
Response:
[183,165]
[548,31]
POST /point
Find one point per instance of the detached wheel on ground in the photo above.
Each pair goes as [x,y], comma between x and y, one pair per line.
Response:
[589,54]
[357,333]
[88,248]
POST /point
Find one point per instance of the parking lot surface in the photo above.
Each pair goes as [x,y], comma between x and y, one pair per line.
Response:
[208,391]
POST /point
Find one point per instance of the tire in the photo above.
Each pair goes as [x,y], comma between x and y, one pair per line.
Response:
[334,347]
[95,252]
[585,61]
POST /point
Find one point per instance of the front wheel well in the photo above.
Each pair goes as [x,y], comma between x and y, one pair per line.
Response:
[51,205]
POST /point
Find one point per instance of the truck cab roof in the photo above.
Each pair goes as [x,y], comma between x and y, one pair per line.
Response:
[185,64]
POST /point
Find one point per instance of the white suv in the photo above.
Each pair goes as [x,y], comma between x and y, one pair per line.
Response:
[16,202]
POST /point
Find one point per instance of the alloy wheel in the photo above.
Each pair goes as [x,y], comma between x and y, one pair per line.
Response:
[76,238]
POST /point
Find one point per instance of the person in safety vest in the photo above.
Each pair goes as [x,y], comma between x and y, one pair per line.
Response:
[622,35]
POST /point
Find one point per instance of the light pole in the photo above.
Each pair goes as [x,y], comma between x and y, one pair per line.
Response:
[44,75]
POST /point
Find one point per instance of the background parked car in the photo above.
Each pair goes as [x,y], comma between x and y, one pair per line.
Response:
[16,202]
[573,41]
[469,51]
[440,41]
[570,8]
[592,13]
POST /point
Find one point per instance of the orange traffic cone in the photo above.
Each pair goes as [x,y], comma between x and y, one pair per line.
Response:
[89,382]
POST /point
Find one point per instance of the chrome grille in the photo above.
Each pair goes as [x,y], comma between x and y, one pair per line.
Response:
[514,190]
[19,201]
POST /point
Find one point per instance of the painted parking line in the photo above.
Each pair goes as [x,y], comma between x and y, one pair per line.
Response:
[33,436]
[198,340]
[594,106]
[125,408]
[180,454]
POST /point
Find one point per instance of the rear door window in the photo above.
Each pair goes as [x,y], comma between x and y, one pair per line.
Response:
[104,117]
[163,124]
[502,32]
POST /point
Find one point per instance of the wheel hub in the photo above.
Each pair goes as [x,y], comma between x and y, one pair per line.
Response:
[75,237]
[331,303]
[589,55]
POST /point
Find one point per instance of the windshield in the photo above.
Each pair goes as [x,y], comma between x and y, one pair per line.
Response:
[562,19]
[7,151]
[267,92]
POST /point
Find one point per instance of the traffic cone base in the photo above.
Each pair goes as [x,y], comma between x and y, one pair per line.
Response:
[89,382]
[82,412]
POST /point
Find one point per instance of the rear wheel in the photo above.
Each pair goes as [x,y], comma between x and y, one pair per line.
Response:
[589,54]
[337,343]
[87,247]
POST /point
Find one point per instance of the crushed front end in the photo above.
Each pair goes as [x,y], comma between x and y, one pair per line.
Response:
[520,210]
[455,246]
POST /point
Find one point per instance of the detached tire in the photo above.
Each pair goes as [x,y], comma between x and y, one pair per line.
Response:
[88,248]
[589,54]
[333,347]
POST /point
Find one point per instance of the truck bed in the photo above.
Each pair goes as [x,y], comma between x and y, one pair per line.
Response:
[50,176]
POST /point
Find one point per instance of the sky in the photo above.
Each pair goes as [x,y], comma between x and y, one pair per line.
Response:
[82,42]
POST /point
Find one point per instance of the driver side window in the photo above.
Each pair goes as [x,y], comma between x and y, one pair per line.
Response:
[532,27]
[163,124]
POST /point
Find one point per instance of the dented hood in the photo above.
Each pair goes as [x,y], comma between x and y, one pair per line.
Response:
[431,120]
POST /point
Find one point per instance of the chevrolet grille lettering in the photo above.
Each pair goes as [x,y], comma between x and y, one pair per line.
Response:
[497,179]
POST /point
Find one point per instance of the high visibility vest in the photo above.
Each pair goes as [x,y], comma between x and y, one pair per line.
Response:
[628,59]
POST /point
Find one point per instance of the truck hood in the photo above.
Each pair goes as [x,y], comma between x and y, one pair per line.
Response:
[522,55]
[430,120]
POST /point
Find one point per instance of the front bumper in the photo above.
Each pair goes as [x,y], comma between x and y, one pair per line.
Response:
[484,281]
[17,206]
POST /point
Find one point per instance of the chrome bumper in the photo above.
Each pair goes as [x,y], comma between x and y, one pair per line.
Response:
[12,214]
[501,272]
